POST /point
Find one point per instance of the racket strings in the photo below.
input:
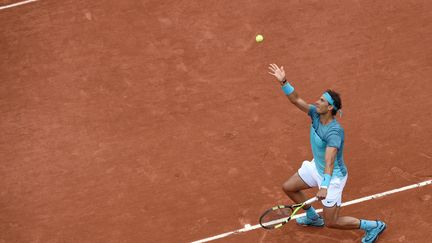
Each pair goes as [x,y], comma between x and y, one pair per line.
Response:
[275,216]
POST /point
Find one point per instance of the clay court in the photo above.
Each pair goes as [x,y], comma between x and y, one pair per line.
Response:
[157,121]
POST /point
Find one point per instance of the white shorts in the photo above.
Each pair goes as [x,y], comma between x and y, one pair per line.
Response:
[309,174]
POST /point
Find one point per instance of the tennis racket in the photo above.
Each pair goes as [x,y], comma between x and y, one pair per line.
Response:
[277,216]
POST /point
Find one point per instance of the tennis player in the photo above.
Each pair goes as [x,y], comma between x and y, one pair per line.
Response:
[327,170]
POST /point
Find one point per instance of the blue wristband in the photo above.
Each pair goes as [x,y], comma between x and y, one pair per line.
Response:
[326,181]
[288,89]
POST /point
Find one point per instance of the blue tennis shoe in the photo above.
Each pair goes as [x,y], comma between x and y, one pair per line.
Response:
[372,234]
[305,221]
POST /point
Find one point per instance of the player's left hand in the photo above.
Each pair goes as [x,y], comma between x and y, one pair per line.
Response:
[279,73]
[322,194]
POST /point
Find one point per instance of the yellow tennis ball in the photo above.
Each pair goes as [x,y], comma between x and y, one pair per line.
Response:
[259,38]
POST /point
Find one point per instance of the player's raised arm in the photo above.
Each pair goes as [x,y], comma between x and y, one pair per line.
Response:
[292,95]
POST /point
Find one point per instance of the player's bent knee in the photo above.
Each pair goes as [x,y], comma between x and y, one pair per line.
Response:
[285,187]
[289,187]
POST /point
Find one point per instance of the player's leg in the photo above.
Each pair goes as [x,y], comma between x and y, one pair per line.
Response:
[303,179]
[293,189]
[332,218]
[332,204]
[372,228]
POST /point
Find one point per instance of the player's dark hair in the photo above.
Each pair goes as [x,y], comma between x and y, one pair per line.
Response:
[336,99]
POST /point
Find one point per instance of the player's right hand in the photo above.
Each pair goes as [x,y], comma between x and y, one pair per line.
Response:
[322,194]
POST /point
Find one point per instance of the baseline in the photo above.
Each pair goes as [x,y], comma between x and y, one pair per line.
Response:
[359,200]
[17,4]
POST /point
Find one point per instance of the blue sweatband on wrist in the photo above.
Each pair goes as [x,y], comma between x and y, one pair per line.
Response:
[326,181]
[288,89]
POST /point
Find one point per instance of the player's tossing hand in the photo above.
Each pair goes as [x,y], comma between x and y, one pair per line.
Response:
[322,194]
[279,73]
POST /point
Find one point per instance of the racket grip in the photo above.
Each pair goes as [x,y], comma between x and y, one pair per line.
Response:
[310,201]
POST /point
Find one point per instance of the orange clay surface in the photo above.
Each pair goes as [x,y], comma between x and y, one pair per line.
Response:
[156,121]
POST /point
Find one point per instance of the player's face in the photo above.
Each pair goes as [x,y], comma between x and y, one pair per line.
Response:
[322,106]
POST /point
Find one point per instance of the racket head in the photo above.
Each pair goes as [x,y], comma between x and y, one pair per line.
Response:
[276,216]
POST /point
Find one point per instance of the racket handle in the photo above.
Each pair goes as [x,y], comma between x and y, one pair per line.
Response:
[310,201]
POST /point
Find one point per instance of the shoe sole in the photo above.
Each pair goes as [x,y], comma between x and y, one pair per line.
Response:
[310,225]
[317,226]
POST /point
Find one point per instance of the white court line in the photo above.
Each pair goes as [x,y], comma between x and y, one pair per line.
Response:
[359,200]
[17,4]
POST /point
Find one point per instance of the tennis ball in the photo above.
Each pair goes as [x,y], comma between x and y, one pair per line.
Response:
[259,38]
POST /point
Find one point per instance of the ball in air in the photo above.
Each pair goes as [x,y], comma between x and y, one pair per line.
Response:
[259,38]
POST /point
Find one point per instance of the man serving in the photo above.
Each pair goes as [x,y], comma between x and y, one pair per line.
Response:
[327,170]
